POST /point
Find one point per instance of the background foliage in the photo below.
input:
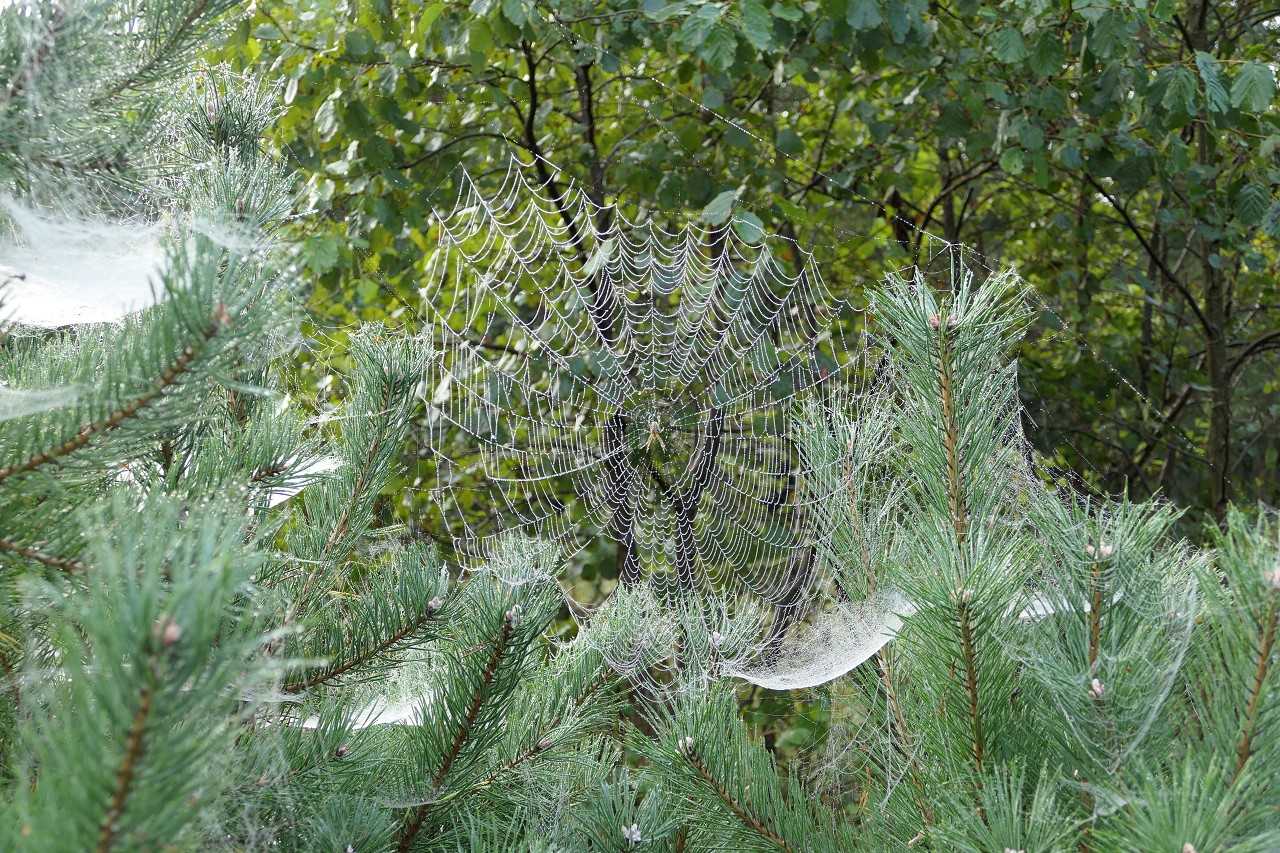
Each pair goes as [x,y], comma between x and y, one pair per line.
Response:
[1119,154]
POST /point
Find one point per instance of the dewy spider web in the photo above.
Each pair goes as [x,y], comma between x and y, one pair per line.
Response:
[607,377]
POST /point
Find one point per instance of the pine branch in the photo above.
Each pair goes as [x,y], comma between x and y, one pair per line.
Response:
[338,669]
[1095,613]
[41,557]
[542,743]
[740,811]
[900,733]
[44,47]
[125,776]
[1265,645]
[344,519]
[175,371]
[951,431]
[855,520]
[964,623]
[410,830]
[160,57]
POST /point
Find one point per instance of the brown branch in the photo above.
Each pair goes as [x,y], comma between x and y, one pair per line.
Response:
[542,744]
[419,160]
[1152,254]
[1095,613]
[338,669]
[902,735]
[971,679]
[411,828]
[125,775]
[1265,647]
[41,557]
[172,44]
[113,420]
[756,824]
[951,432]
[344,520]
[45,47]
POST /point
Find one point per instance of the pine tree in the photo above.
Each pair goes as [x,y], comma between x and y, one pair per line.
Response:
[213,637]
[130,628]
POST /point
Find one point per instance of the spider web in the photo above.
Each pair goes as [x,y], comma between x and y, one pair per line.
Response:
[608,377]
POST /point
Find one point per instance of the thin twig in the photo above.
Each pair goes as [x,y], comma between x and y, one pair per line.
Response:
[758,826]
[109,827]
[86,433]
[41,557]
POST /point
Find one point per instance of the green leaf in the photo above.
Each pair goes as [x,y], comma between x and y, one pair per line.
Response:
[358,43]
[1090,10]
[1047,56]
[480,38]
[1007,45]
[1012,161]
[791,210]
[720,47]
[1214,91]
[790,142]
[1109,34]
[428,17]
[1254,87]
[667,11]
[514,12]
[1180,90]
[1271,223]
[864,14]
[720,208]
[757,24]
[602,255]
[321,254]
[788,13]
[1252,202]
[749,227]
[694,31]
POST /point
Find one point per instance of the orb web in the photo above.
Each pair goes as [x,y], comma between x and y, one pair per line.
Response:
[604,377]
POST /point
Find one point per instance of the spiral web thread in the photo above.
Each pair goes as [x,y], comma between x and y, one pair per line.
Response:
[649,373]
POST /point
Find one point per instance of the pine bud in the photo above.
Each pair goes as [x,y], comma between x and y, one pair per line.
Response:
[1011,850]
[240,210]
[716,638]
[966,595]
[1189,848]
[513,616]
[166,632]
[342,750]
[545,743]
[631,834]
[1102,552]
[1273,579]
[1097,689]
[434,605]
[685,745]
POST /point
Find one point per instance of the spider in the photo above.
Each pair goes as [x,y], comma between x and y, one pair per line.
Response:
[654,437]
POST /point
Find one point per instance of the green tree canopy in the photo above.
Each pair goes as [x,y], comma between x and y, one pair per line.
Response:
[1119,155]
